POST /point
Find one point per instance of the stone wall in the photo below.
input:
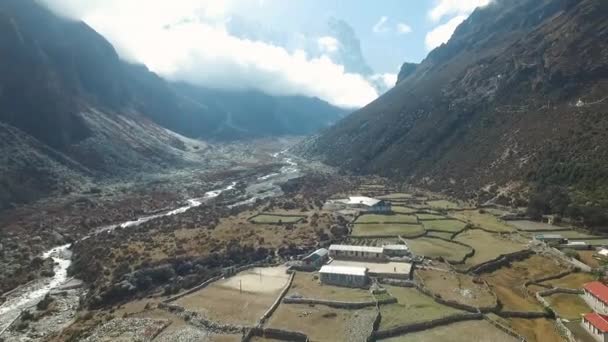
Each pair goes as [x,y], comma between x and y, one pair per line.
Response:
[506,329]
[455,304]
[192,290]
[524,314]
[277,334]
[339,304]
[277,302]
[573,262]
[499,262]
[414,327]
[198,320]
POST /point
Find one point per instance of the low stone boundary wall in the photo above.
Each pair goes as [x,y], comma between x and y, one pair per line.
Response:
[573,262]
[523,314]
[339,304]
[198,320]
[565,331]
[396,282]
[277,302]
[506,329]
[414,327]
[500,261]
[455,304]
[194,289]
[551,277]
[465,257]
[277,334]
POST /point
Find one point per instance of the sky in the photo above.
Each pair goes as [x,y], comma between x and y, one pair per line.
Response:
[346,52]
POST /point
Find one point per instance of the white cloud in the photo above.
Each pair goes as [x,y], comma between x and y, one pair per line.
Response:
[380,26]
[403,28]
[187,40]
[388,80]
[445,8]
[442,33]
[328,44]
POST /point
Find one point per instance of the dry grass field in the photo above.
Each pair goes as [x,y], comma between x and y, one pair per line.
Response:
[443,235]
[397,195]
[452,226]
[398,218]
[387,230]
[305,285]
[569,306]
[413,307]
[483,220]
[478,331]
[223,301]
[536,330]
[435,248]
[487,246]
[508,282]
[531,226]
[571,281]
[457,287]
[423,217]
[588,258]
[322,323]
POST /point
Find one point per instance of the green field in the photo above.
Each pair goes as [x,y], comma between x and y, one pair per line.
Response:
[443,204]
[412,307]
[452,226]
[443,235]
[594,242]
[430,217]
[487,246]
[531,226]
[403,210]
[483,220]
[398,218]
[275,219]
[394,229]
[435,248]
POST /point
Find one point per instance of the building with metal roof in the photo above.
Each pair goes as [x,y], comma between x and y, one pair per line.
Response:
[597,325]
[356,252]
[316,259]
[396,250]
[347,276]
[596,295]
[361,203]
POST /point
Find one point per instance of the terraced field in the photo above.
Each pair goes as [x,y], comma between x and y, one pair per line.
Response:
[452,226]
[276,219]
[430,217]
[435,248]
[398,218]
[412,307]
[488,246]
[387,230]
[483,220]
[458,332]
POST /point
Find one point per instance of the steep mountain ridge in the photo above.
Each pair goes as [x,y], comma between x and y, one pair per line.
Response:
[497,106]
[72,111]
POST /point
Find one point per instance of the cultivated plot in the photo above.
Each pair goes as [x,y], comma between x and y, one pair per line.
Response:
[452,226]
[398,218]
[412,307]
[388,230]
[426,216]
[488,246]
[531,226]
[241,299]
[308,285]
[443,204]
[436,248]
[569,306]
[571,281]
[536,330]
[458,332]
[483,220]
[458,287]
[508,282]
[322,323]
[403,209]
[396,196]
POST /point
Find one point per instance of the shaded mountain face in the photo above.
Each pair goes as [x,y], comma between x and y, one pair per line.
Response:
[71,111]
[517,95]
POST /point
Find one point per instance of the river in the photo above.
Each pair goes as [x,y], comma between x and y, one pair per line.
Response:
[28,295]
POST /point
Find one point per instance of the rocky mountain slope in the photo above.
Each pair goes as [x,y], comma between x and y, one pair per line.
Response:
[516,99]
[71,110]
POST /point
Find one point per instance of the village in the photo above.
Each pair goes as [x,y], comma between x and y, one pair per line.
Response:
[411,266]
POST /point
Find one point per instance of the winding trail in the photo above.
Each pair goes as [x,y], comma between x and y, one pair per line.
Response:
[28,295]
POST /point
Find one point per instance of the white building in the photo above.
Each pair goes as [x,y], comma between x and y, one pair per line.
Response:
[356,252]
[596,296]
[596,325]
[396,250]
[362,203]
[344,276]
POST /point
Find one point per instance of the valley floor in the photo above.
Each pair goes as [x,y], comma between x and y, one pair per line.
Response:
[201,255]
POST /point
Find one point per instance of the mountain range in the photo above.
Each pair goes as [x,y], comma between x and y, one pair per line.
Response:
[513,104]
[71,109]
